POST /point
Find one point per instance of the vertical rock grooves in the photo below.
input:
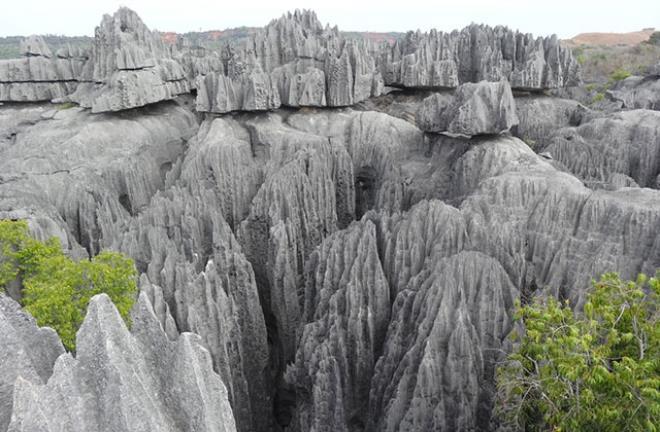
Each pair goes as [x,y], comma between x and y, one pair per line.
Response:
[27,351]
[188,249]
[346,311]
[342,270]
[445,325]
[124,381]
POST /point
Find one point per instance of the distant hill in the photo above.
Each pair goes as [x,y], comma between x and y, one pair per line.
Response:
[610,39]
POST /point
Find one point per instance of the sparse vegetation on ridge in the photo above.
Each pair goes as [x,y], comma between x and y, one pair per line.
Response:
[57,289]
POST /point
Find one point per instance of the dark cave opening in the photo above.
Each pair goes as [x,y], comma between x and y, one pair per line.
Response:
[125,202]
[365,190]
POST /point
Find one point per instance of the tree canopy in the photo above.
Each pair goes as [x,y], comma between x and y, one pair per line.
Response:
[595,369]
[56,289]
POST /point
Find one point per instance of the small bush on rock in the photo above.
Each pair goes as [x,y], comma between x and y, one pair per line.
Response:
[57,289]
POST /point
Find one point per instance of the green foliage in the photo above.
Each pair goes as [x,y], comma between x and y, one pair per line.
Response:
[65,106]
[598,97]
[530,142]
[56,289]
[619,74]
[654,39]
[595,370]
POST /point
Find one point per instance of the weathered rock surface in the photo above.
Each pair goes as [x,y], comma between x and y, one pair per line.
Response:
[129,67]
[123,381]
[344,270]
[182,243]
[39,75]
[90,170]
[638,92]
[294,61]
[27,351]
[625,143]
[445,60]
[483,108]
[345,317]
[540,117]
[446,327]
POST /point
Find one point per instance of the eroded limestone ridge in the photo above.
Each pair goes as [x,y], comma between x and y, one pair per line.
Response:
[294,61]
[118,380]
[478,52]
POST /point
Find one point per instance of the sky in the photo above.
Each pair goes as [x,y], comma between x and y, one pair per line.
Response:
[566,18]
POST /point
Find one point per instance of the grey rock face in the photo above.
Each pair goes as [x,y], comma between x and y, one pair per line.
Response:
[446,326]
[39,75]
[294,61]
[637,92]
[343,269]
[27,351]
[346,312]
[129,67]
[182,243]
[626,143]
[122,381]
[540,117]
[445,60]
[250,92]
[91,170]
[473,109]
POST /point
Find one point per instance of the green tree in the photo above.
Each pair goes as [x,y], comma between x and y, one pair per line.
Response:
[593,370]
[56,289]
[654,39]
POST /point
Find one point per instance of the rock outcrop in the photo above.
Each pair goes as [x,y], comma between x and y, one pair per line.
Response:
[125,381]
[638,92]
[129,67]
[483,108]
[28,352]
[345,317]
[91,170]
[343,269]
[625,143]
[40,75]
[445,60]
[540,117]
[295,62]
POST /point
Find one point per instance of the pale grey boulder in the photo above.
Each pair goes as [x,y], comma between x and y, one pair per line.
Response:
[626,142]
[122,381]
[445,60]
[483,108]
[129,67]
[28,351]
[637,92]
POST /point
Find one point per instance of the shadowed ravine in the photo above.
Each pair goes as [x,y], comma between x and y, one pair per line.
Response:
[330,234]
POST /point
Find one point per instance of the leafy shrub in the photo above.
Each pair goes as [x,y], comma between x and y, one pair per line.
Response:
[594,370]
[654,39]
[598,97]
[619,74]
[56,289]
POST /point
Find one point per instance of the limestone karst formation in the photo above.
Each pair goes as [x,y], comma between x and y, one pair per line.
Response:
[330,234]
